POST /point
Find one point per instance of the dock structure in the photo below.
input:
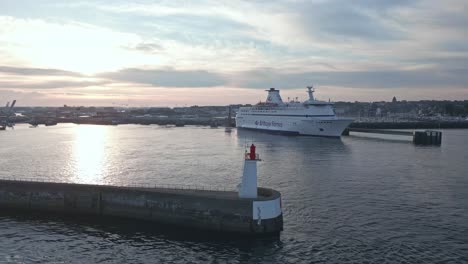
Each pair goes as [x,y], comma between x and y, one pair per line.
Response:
[427,137]
[248,211]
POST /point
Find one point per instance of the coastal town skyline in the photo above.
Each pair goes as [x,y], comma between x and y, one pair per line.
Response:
[175,53]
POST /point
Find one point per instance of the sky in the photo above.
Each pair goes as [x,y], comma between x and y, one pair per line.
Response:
[177,53]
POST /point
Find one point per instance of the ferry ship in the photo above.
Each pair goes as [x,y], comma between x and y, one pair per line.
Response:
[311,117]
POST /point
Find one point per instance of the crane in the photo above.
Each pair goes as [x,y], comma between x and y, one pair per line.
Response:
[8,111]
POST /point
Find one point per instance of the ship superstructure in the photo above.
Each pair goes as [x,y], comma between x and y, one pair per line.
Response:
[311,117]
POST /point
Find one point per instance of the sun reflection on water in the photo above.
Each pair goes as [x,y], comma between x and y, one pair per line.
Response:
[89,154]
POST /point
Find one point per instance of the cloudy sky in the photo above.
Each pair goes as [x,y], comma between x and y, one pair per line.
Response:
[168,53]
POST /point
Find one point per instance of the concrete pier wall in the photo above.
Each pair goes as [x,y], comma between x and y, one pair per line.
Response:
[217,211]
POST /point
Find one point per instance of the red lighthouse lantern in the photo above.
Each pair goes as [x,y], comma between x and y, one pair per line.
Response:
[252,152]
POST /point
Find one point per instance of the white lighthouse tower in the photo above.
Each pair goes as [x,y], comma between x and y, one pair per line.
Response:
[248,187]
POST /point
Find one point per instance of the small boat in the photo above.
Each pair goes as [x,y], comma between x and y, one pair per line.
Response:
[214,124]
[50,123]
[33,124]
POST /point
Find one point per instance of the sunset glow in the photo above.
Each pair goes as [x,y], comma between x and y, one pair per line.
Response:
[89,154]
[215,53]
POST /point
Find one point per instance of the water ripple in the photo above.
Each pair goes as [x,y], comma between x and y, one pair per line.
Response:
[345,201]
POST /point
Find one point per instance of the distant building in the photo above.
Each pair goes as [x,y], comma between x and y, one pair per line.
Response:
[378,112]
[394,100]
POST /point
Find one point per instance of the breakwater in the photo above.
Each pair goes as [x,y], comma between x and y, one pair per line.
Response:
[410,125]
[201,209]
[141,121]
[426,137]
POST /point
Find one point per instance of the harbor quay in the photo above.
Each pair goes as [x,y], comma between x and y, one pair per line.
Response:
[377,115]
[219,211]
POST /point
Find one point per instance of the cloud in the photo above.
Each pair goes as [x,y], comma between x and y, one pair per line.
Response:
[148,47]
[49,84]
[24,78]
[268,77]
[419,78]
[349,19]
[131,46]
[167,78]
[67,45]
[37,71]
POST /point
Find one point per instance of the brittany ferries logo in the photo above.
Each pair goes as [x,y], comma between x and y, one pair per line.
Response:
[268,124]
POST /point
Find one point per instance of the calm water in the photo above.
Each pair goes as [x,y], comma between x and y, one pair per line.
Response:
[345,200]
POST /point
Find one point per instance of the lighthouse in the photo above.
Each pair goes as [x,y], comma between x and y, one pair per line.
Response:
[248,186]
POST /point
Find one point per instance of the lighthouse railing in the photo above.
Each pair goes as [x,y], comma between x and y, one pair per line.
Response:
[247,156]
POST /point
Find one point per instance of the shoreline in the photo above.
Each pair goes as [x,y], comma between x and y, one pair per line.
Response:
[214,122]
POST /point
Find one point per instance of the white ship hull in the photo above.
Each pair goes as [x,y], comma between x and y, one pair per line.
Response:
[331,126]
[311,117]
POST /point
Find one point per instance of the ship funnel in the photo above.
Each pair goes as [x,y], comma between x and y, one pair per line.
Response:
[248,187]
[310,91]
[274,97]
